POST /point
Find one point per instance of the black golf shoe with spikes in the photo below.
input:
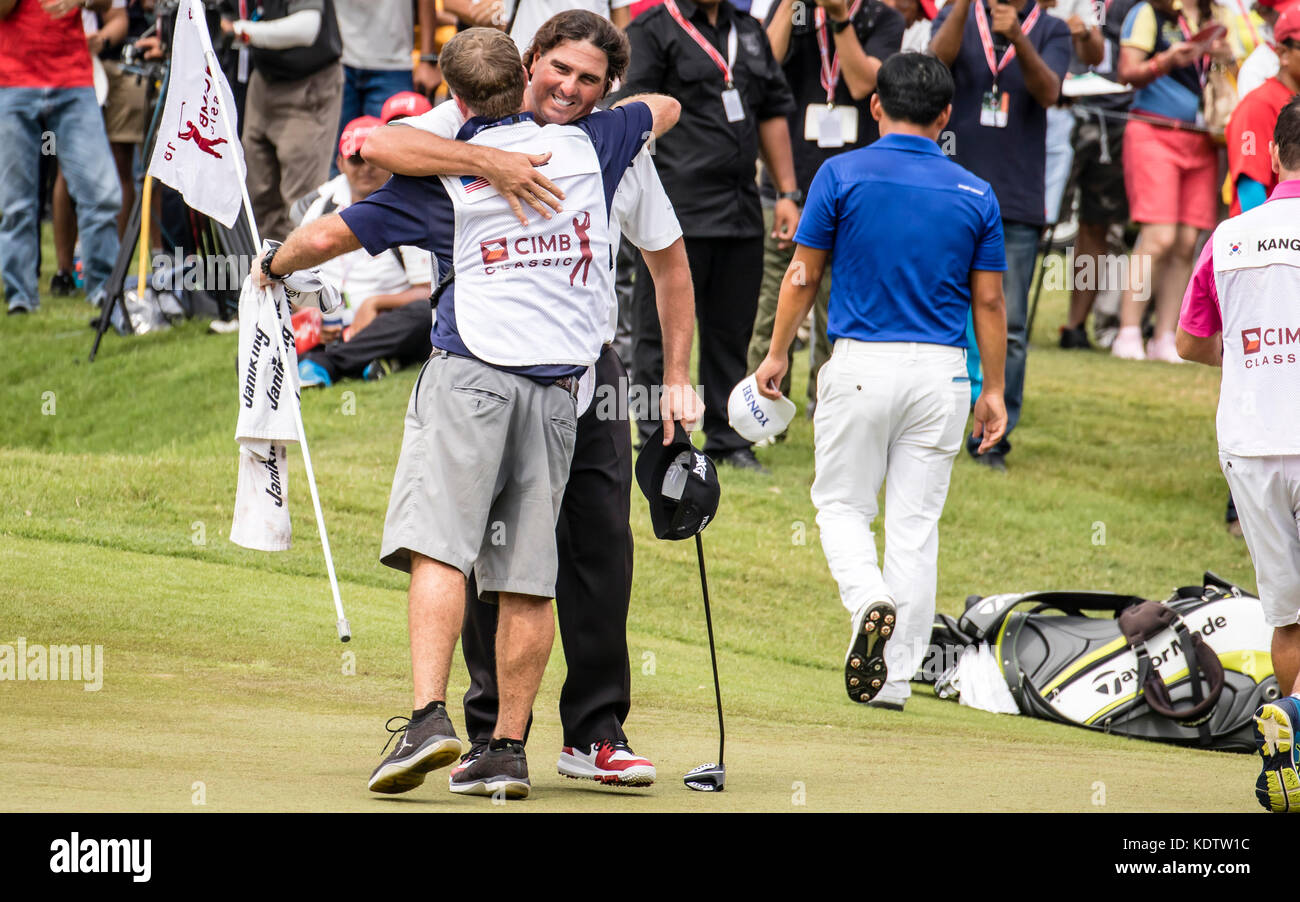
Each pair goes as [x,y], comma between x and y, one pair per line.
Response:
[864,664]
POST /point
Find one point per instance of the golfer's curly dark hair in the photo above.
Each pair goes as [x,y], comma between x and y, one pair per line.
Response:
[582,25]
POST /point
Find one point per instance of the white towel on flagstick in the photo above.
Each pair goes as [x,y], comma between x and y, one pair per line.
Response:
[268,386]
[262,500]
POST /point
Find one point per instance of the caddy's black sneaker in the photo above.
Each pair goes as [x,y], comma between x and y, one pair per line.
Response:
[468,758]
[503,769]
[864,664]
[422,745]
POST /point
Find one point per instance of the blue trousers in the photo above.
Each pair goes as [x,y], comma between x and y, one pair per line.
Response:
[66,121]
[364,93]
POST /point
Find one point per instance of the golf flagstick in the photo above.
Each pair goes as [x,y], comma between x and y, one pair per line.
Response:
[345,630]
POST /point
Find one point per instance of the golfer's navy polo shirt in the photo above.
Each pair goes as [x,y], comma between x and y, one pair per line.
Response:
[905,226]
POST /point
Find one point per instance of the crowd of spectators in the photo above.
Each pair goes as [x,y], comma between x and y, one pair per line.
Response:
[1088,118]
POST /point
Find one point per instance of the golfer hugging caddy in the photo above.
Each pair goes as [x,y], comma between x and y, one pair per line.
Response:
[491,422]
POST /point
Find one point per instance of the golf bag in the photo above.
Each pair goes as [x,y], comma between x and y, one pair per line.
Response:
[1189,670]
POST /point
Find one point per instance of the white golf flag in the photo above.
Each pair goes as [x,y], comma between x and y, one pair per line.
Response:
[197,152]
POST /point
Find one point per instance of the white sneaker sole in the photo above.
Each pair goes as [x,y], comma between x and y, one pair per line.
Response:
[577,769]
[513,789]
[407,775]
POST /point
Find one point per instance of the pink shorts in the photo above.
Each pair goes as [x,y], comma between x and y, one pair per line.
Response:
[1171,175]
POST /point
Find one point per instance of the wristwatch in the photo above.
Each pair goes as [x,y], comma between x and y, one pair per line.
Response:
[266,264]
[796,195]
[430,58]
[837,27]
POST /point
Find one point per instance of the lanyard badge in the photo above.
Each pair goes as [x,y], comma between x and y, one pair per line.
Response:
[986,39]
[830,126]
[830,69]
[995,105]
[732,105]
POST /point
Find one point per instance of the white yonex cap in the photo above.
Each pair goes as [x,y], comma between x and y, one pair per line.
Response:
[754,416]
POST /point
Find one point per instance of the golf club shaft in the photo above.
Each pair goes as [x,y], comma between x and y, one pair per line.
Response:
[713,654]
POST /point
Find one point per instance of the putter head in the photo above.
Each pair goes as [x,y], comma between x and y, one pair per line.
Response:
[707,778]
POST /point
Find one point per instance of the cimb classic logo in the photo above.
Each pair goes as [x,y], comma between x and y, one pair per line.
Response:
[103,856]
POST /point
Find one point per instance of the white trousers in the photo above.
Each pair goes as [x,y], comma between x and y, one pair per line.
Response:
[891,413]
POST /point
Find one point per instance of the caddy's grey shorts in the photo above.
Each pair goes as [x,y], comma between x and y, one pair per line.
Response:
[485,458]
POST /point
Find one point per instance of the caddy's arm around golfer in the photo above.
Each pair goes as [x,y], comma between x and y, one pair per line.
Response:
[421,150]
[413,151]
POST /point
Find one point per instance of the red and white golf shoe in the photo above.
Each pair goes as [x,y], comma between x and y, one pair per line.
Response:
[611,763]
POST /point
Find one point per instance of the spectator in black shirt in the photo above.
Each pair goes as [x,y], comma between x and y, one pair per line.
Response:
[707,165]
[828,55]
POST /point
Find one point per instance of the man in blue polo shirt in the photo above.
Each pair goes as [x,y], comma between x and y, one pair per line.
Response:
[915,244]
[1007,61]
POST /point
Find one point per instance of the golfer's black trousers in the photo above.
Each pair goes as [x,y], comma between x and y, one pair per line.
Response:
[402,332]
[727,273]
[594,586]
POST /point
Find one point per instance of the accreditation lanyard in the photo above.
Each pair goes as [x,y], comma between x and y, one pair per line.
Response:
[1244,11]
[1202,70]
[830,63]
[723,64]
[986,38]
[241,72]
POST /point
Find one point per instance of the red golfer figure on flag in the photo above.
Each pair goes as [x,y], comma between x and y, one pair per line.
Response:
[205,144]
[580,225]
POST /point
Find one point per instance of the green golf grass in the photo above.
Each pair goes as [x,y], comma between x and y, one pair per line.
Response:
[224,682]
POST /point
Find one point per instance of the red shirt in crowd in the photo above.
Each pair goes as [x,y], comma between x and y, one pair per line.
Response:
[1250,129]
[640,6]
[37,51]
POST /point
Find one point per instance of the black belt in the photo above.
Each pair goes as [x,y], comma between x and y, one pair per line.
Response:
[569,384]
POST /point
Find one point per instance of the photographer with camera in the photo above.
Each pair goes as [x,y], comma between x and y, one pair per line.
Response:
[291,112]
[46,89]
[1007,62]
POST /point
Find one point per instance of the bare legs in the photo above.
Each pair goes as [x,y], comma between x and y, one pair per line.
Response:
[525,633]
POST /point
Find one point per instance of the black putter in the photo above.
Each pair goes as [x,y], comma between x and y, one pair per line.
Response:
[709,777]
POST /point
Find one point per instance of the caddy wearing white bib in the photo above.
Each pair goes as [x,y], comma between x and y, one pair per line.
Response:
[1240,312]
